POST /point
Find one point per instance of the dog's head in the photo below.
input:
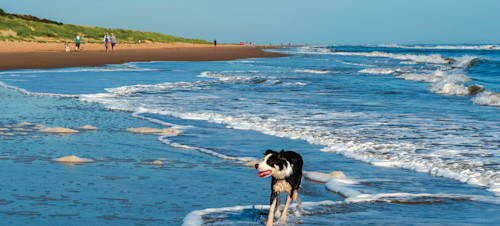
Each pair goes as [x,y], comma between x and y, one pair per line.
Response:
[274,164]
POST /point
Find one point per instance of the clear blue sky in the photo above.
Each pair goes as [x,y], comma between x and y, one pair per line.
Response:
[279,21]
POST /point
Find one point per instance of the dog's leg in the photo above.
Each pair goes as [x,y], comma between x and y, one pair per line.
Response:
[278,212]
[270,218]
[285,210]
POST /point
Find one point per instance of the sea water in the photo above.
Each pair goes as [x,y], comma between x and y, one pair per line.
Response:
[414,129]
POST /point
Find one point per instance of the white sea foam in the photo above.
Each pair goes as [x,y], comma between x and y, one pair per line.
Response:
[356,64]
[323,177]
[313,71]
[465,61]
[342,187]
[437,168]
[433,58]
[196,217]
[419,77]
[487,98]
[409,197]
[450,88]
[381,71]
[232,76]
[124,90]
[36,94]
[335,182]
[446,47]
[107,68]
[451,83]
[164,140]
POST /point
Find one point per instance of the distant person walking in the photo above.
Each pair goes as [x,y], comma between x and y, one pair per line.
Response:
[106,41]
[78,39]
[113,42]
[215,43]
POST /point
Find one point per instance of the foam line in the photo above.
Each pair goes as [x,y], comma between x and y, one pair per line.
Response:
[196,217]
[164,140]
[36,94]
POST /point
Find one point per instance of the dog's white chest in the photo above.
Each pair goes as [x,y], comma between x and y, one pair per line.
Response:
[282,186]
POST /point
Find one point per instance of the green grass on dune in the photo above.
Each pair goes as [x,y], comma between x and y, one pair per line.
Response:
[30,28]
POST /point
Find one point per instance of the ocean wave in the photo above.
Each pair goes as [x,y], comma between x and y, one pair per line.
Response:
[432,58]
[420,77]
[369,152]
[177,86]
[239,77]
[421,198]
[465,61]
[450,88]
[36,94]
[465,172]
[444,47]
[313,49]
[452,83]
[106,68]
[487,98]
[445,81]
[314,71]
[255,211]
[366,152]
[356,64]
[253,214]
[380,71]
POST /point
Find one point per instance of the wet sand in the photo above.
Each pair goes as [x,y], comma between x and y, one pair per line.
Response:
[17,55]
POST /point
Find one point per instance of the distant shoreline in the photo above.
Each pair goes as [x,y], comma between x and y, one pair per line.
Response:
[30,55]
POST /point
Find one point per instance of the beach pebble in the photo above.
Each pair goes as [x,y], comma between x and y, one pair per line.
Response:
[88,127]
[72,159]
[160,132]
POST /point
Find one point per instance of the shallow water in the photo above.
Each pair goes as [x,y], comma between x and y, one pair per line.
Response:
[415,145]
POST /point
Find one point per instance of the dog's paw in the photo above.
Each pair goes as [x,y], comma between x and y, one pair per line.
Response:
[278,213]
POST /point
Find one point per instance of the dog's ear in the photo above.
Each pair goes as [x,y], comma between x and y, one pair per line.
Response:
[269,151]
[281,155]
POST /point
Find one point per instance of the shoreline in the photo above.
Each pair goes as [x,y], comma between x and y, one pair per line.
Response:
[27,55]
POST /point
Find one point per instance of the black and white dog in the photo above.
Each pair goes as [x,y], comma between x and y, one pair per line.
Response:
[286,169]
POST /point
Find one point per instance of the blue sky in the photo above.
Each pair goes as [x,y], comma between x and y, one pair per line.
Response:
[283,21]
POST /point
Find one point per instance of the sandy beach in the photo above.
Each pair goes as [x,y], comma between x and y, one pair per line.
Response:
[31,55]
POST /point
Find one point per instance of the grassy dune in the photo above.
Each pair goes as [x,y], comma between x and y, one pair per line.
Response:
[14,27]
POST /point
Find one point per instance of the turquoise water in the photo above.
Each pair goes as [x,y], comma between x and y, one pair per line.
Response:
[415,144]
